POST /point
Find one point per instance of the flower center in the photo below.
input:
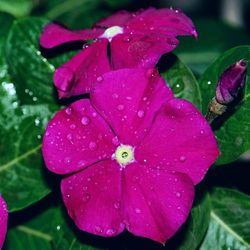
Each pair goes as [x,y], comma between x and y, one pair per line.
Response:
[111,32]
[124,155]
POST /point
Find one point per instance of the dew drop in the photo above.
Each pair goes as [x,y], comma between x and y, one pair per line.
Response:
[117,205]
[110,231]
[86,197]
[120,107]
[183,158]
[68,111]
[138,210]
[92,146]
[67,160]
[127,39]
[85,120]
[178,87]
[72,126]
[115,141]
[98,229]
[178,194]
[99,79]
[58,227]
[140,113]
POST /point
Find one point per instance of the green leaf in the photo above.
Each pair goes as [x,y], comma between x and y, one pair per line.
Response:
[47,230]
[17,8]
[233,134]
[191,235]
[180,79]
[215,37]
[21,128]
[230,221]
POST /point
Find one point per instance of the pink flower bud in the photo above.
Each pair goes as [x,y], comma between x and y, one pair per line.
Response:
[231,83]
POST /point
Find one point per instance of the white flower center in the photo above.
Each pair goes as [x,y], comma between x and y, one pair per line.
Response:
[111,32]
[124,155]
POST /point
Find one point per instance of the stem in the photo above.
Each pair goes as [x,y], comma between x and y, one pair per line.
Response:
[215,109]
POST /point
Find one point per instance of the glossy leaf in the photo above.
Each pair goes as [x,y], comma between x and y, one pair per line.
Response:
[21,129]
[230,221]
[181,79]
[48,230]
[17,8]
[233,129]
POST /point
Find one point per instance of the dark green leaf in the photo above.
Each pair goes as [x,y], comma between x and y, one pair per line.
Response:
[46,231]
[233,133]
[180,79]
[230,221]
[21,129]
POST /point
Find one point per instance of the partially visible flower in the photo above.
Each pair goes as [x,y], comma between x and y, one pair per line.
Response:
[231,83]
[136,40]
[3,220]
[132,153]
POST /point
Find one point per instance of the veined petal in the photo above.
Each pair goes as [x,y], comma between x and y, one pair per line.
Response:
[75,138]
[141,50]
[3,220]
[163,21]
[180,140]
[93,198]
[77,76]
[157,202]
[55,34]
[120,18]
[128,100]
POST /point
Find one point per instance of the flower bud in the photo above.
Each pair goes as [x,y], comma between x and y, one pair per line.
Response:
[231,83]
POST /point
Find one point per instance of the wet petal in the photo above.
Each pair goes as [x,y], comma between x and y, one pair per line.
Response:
[120,18]
[93,198]
[179,140]
[157,202]
[128,100]
[141,50]
[55,34]
[3,220]
[76,76]
[76,137]
[164,21]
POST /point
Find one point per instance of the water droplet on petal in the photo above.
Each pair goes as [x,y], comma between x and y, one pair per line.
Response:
[85,120]
[68,111]
[86,197]
[67,160]
[92,146]
[138,210]
[72,126]
[140,113]
[178,194]
[115,96]
[99,78]
[98,229]
[115,141]
[117,204]
[110,231]
[183,158]
[120,107]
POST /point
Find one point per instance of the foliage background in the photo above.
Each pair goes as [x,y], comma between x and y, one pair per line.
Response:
[220,218]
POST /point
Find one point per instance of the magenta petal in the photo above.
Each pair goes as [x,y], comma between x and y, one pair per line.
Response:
[93,198]
[163,21]
[77,76]
[120,18]
[3,220]
[156,202]
[54,35]
[128,100]
[76,137]
[141,50]
[180,140]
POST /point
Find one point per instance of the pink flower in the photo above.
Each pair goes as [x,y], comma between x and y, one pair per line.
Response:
[132,154]
[3,220]
[136,40]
